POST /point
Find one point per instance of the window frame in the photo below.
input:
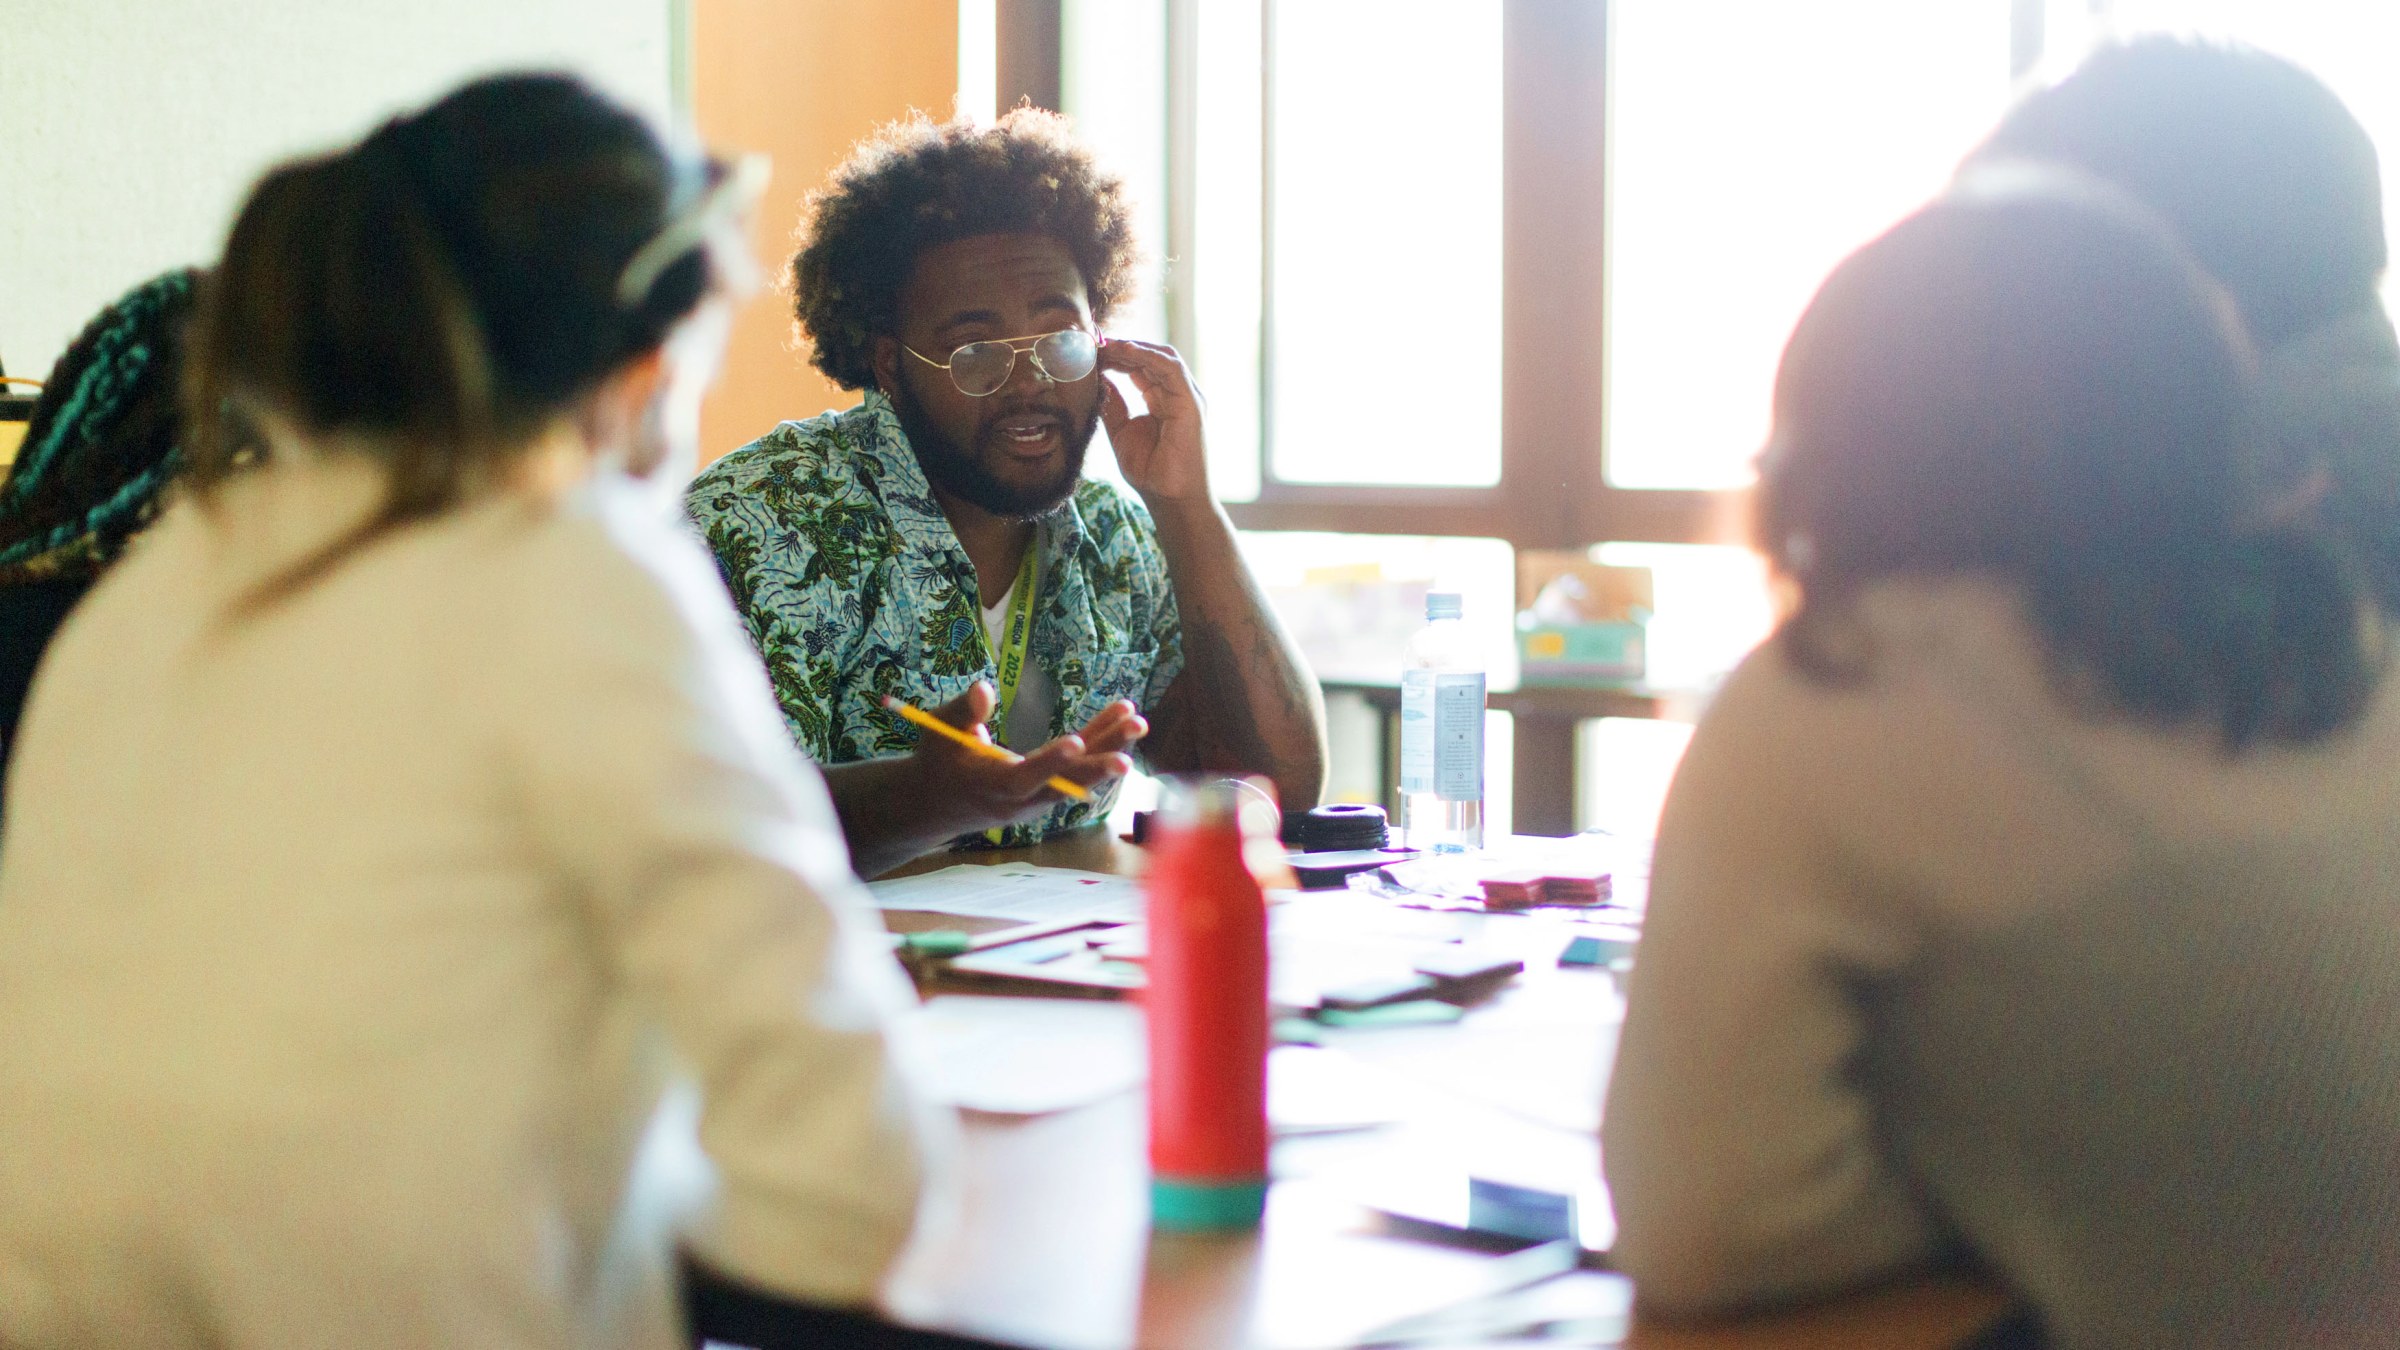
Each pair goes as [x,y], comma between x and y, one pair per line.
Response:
[1554,491]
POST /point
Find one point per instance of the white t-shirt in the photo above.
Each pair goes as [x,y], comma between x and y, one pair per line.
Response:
[1027,725]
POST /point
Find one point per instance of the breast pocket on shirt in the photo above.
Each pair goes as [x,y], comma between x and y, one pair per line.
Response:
[1093,680]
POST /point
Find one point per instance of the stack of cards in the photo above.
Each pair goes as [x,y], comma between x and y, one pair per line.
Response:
[1585,889]
[1518,889]
[1523,888]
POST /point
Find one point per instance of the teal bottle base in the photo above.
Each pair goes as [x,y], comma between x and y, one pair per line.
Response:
[1199,1204]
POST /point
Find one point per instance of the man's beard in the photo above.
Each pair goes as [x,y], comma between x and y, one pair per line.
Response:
[961,472]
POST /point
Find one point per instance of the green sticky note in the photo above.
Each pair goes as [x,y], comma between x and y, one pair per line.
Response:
[938,942]
[1295,1031]
[1594,950]
[1416,1013]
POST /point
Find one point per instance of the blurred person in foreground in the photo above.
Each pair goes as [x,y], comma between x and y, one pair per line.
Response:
[101,448]
[408,816]
[2275,188]
[940,544]
[2023,906]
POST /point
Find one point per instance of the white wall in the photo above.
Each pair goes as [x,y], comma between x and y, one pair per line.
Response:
[131,129]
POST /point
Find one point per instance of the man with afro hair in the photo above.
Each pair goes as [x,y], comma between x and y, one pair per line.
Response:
[938,544]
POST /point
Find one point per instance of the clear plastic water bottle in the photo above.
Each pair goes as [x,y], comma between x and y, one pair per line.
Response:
[1441,734]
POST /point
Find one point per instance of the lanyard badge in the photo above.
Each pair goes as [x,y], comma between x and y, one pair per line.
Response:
[1009,661]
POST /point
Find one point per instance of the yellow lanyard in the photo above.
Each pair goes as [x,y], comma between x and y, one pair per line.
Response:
[1009,661]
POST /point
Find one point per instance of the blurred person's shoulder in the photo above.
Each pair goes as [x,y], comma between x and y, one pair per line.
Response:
[202,556]
[1897,642]
[611,551]
[121,631]
[611,585]
[1906,684]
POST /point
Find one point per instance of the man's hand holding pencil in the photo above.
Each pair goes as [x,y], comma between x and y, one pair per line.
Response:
[974,783]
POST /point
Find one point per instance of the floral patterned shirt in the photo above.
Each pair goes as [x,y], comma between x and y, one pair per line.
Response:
[854,587]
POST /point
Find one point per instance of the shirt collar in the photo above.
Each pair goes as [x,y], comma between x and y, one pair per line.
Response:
[907,498]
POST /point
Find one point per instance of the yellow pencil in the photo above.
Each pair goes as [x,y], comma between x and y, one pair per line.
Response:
[984,748]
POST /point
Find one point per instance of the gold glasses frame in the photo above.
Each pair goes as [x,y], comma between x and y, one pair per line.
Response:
[1029,346]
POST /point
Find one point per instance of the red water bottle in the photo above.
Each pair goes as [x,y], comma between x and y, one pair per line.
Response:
[1206,1005]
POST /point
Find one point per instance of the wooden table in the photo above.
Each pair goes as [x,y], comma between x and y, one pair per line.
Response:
[1545,718]
[1054,1248]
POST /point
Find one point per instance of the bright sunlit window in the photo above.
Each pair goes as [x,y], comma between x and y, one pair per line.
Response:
[978,58]
[1322,190]
[1752,145]
[1114,84]
[1384,242]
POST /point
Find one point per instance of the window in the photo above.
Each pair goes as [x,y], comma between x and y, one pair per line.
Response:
[1750,148]
[1383,240]
[1120,109]
[1366,196]
[1354,197]
[1463,278]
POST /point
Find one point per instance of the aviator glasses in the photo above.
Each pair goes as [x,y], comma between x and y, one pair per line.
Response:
[981,369]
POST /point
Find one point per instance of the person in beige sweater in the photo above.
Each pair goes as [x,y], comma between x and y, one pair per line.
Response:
[2025,904]
[407,815]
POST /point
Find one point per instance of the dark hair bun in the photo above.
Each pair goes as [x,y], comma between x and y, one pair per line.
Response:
[540,191]
[441,291]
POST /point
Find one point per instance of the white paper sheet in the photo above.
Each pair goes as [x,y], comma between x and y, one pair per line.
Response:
[1316,1091]
[1541,1052]
[1018,891]
[1032,1056]
[1024,1056]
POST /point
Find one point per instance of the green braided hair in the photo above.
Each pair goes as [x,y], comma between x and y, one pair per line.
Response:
[104,441]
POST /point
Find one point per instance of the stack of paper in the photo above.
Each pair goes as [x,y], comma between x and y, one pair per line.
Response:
[1018,891]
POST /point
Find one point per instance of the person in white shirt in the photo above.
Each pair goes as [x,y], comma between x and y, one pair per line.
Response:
[407,817]
[2025,905]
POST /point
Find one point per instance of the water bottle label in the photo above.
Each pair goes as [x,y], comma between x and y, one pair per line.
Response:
[1441,734]
[1458,737]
